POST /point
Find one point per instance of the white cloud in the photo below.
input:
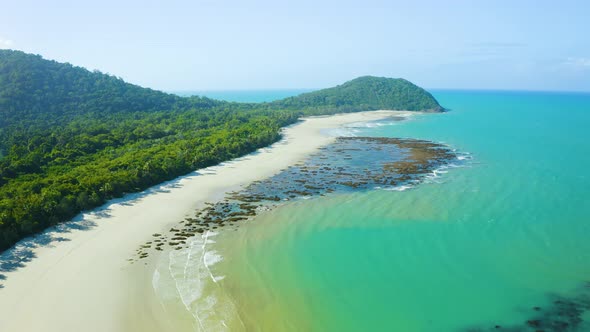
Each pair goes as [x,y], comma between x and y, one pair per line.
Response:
[5,43]
[581,63]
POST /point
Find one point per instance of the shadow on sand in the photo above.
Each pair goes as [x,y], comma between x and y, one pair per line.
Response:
[24,251]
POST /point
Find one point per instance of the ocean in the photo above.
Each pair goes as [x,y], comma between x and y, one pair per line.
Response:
[244,96]
[500,240]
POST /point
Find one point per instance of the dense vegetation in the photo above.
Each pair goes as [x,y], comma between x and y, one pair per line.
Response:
[70,139]
[365,93]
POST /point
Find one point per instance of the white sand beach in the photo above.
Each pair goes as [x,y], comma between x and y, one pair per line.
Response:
[77,277]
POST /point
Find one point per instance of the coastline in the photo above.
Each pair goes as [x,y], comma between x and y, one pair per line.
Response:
[82,280]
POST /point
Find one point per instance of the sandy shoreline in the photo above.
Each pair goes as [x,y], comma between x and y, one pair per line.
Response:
[82,281]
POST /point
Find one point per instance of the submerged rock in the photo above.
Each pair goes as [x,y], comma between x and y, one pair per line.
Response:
[349,164]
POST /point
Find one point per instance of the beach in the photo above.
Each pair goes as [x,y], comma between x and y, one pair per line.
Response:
[78,277]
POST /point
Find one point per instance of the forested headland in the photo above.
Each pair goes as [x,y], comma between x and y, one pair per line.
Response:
[70,139]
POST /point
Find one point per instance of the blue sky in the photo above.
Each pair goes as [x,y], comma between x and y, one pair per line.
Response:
[217,44]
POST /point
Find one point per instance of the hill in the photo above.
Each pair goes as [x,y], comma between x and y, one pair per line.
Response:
[48,92]
[365,93]
[70,139]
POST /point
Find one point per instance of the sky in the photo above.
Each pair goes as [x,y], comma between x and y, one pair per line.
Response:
[258,44]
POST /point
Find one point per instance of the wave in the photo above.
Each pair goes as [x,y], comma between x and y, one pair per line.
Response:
[464,159]
[399,188]
[370,124]
[195,284]
[342,132]
[353,129]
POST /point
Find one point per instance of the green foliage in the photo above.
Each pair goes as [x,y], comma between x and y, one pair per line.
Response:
[364,93]
[70,139]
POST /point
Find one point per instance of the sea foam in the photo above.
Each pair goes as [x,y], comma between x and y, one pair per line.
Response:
[195,284]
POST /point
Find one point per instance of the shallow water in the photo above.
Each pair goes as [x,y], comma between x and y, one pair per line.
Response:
[493,243]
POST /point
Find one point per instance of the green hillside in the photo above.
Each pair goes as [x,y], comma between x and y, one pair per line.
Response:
[365,93]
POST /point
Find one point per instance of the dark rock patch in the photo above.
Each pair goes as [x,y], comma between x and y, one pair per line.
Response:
[349,164]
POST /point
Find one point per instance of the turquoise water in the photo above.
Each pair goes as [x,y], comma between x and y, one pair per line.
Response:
[473,248]
[246,96]
[501,242]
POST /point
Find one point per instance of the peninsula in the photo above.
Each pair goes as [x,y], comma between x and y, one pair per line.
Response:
[72,139]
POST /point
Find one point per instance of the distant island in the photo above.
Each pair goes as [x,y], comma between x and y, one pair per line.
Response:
[71,139]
